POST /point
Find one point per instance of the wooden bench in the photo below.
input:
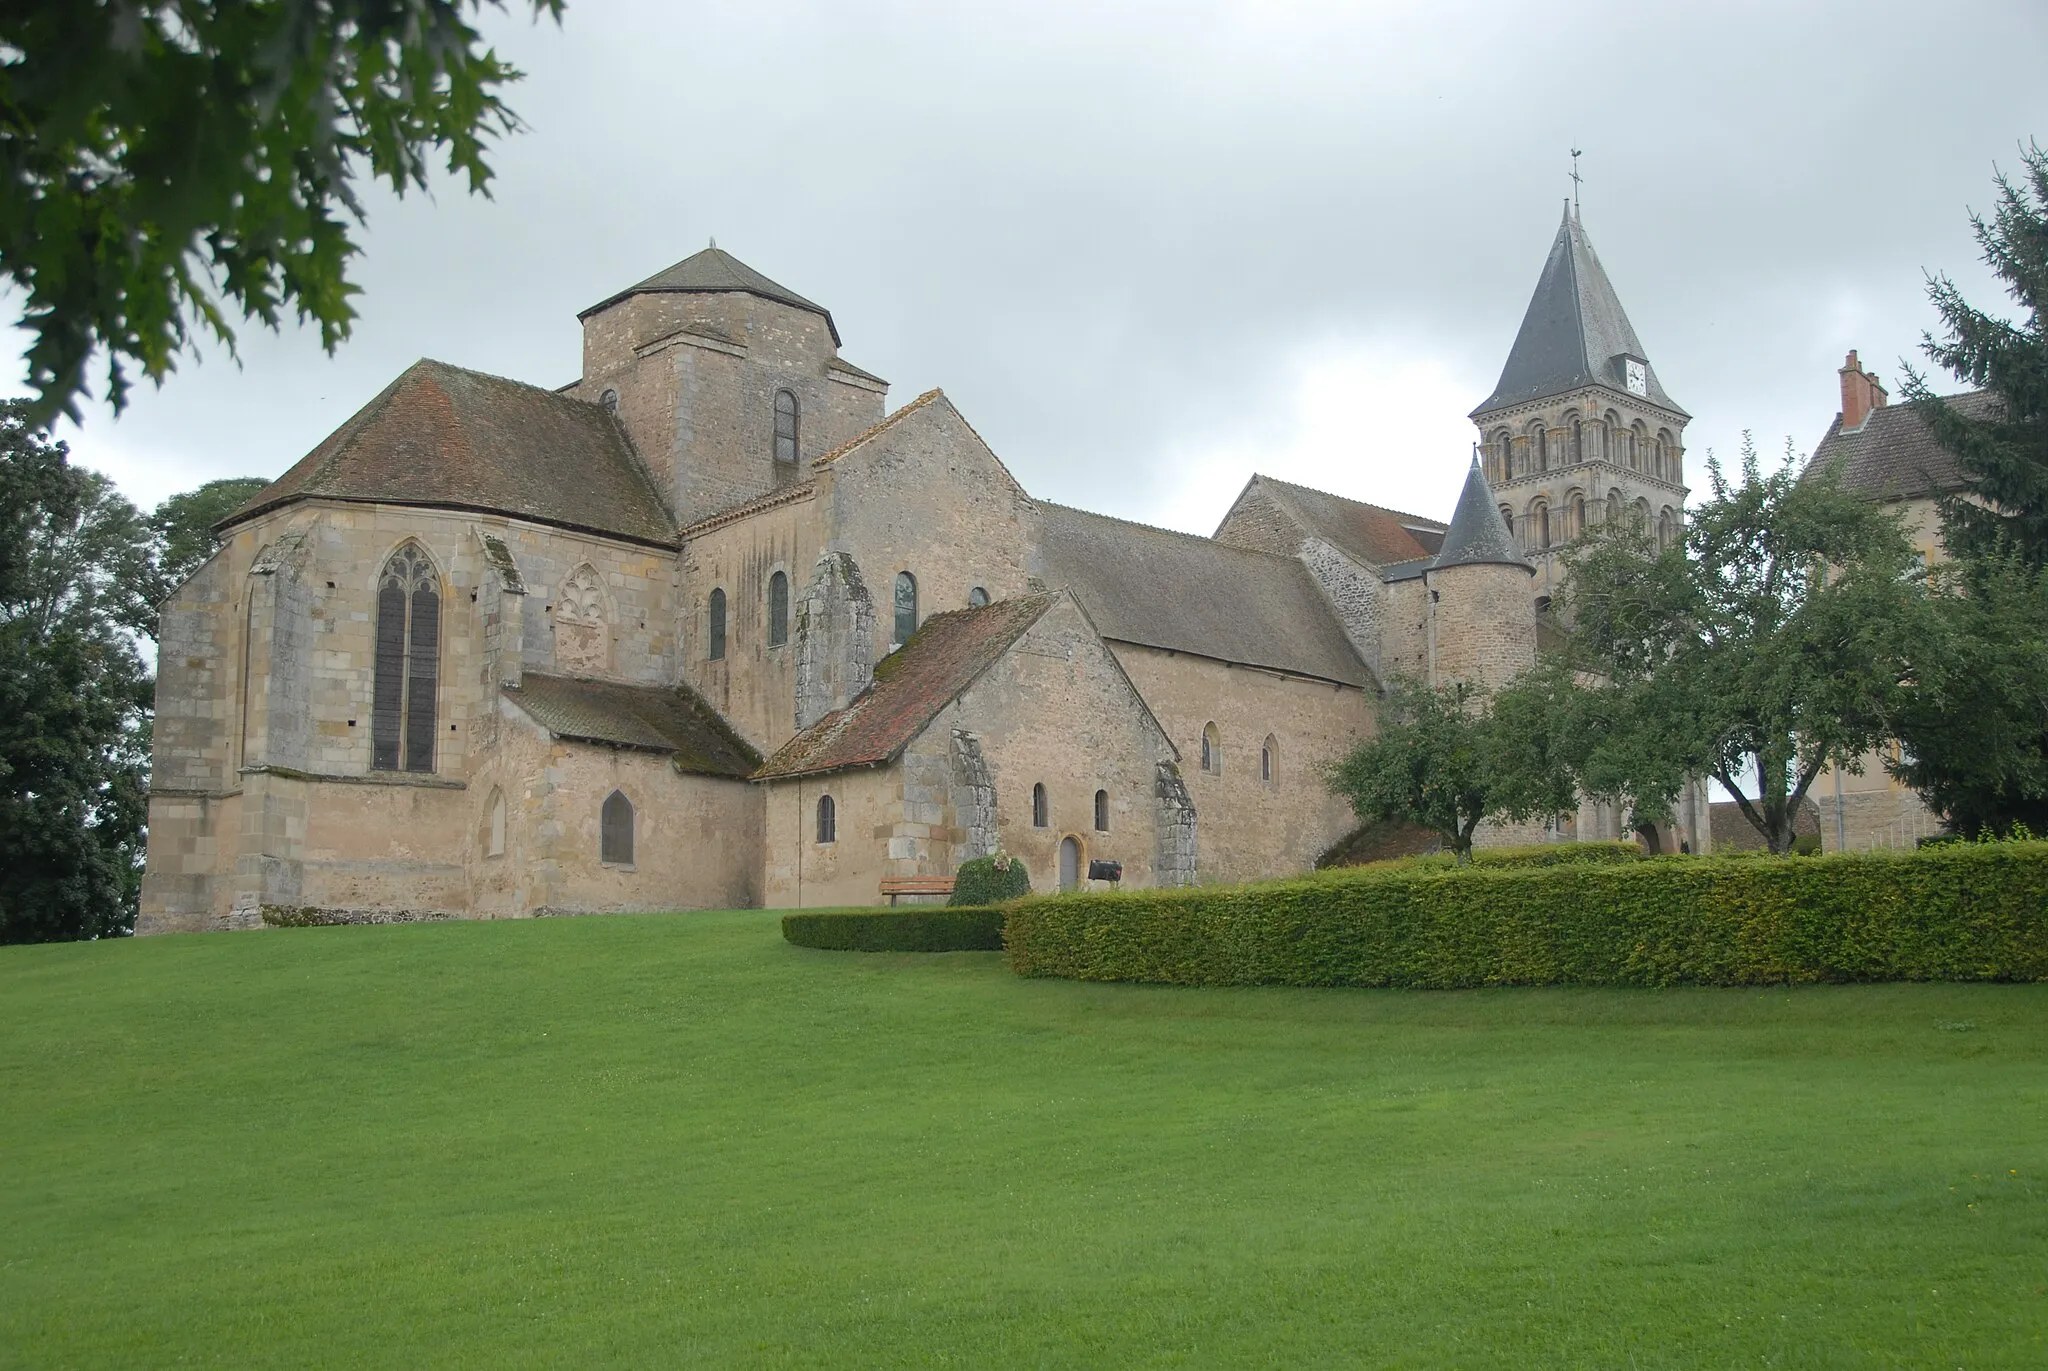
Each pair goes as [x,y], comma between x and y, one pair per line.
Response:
[894,886]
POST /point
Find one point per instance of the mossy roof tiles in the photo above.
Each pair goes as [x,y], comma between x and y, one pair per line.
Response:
[647,718]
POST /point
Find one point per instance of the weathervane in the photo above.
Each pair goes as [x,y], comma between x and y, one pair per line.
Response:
[1575,182]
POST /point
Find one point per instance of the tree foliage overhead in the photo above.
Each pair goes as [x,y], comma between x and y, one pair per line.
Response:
[169,163]
[1448,758]
[2004,457]
[183,526]
[76,561]
[1774,640]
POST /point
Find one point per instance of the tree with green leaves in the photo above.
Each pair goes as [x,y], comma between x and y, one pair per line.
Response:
[1773,641]
[1449,758]
[170,163]
[183,526]
[76,565]
[2003,456]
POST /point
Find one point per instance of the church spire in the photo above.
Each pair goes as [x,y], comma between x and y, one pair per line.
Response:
[1575,334]
[1478,536]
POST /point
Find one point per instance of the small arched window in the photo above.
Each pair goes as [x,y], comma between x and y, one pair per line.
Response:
[1539,447]
[1102,811]
[906,606]
[1507,517]
[1539,523]
[785,428]
[493,834]
[828,820]
[1041,811]
[778,610]
[407,666]
[1269,758]
[615,830]
[1641,516]
[717,634]
[1212,750]
[1667,455]
[1667,528]
[1578,439]
[1610,438]
[1578,515]
[977,598]
[1505,465]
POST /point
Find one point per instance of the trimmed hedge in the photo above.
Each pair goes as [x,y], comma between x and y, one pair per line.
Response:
[990,880]
[915,928]
[1967,913]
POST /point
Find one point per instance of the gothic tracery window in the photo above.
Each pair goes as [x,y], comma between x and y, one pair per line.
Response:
[407,667]
[582,632]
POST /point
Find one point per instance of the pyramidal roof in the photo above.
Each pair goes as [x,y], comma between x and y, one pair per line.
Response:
[1575,333]
[1478,535]
[714,271]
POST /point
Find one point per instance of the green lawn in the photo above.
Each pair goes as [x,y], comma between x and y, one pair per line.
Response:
[677,1140]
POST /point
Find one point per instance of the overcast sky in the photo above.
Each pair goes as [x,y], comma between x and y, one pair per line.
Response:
[1149,249]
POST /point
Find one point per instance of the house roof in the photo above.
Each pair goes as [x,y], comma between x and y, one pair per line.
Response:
[912,684]
[1894,455]
[1574,332]
[715,271]
[1478,535]
[1370,533]
[647,718]
[456,439]
[1185,593]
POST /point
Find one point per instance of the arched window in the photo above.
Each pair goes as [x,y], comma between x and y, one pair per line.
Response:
[1269,757]
[1539,523]
[977,598]
[1613,506]
[407,664]
[1667,455]
[1041,811]
[1508,517]
[1505,464]
[492,836]
[1578,438]
[1212,750]
[1641,516]
[615,830]
[785,428]
[1667,528]
[1610,438]
[778,610]
[906,606]
[717,634]
[1638,446]
[828,820]
[1539,447]
[1102,811]
[1578,515]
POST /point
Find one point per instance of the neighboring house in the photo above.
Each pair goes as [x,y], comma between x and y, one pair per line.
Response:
[712,627]
[1887,454]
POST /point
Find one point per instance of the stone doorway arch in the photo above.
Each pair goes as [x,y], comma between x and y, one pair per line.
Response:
[1070,862]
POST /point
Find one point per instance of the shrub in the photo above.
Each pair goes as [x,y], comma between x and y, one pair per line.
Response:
[990,880]
[918,928]
[1965,912]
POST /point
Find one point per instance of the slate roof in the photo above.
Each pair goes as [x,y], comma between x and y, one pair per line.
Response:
[912,684]
[715,271]
[1478,535]
[1574,329]
[1186,593]
[456,439]
[1894,455]
[646,718]
[1373,535]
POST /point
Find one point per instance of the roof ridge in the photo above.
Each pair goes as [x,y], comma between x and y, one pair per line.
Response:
[779,496]
[878,426]
[1365,504]
[1202,538]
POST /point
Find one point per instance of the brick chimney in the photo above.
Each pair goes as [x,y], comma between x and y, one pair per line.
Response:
[1861,393]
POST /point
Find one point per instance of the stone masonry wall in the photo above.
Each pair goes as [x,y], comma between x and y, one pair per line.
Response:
[835,634]
[1484,624]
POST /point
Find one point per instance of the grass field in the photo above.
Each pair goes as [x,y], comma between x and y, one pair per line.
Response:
[659,1141]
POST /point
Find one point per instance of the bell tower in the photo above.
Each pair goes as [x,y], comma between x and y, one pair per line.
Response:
[1579,429]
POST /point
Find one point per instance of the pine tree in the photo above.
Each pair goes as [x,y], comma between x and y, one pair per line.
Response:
[2004,456]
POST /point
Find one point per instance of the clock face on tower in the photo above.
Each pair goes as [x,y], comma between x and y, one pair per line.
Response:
[1638,376]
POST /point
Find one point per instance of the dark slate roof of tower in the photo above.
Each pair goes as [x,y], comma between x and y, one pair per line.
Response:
[447,438]
[1478,535]
[1573,333]
[715,271]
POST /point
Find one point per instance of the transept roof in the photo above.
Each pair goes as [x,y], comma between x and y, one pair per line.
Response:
[449,438]
[1574,332]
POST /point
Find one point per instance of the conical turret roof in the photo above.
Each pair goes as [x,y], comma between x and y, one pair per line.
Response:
[714,271]
[1478,536]
[1575,333]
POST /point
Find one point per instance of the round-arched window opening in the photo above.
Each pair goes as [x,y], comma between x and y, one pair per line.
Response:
[906,607]
[610,401]
[828,820]
[977,598]
[1102,811]
[1041,811]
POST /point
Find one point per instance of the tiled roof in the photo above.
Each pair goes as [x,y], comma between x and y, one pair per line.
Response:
[782,495]
[1375,536]
[1186,593]
[648,718]
[912,684]
[1894,455]
[711,272]
[1573,331]
[456,439]
[1478,534]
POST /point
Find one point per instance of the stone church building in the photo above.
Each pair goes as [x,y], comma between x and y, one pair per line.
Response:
[712,626]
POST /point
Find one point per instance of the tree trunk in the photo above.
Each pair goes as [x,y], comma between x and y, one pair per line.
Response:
[1653,842]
